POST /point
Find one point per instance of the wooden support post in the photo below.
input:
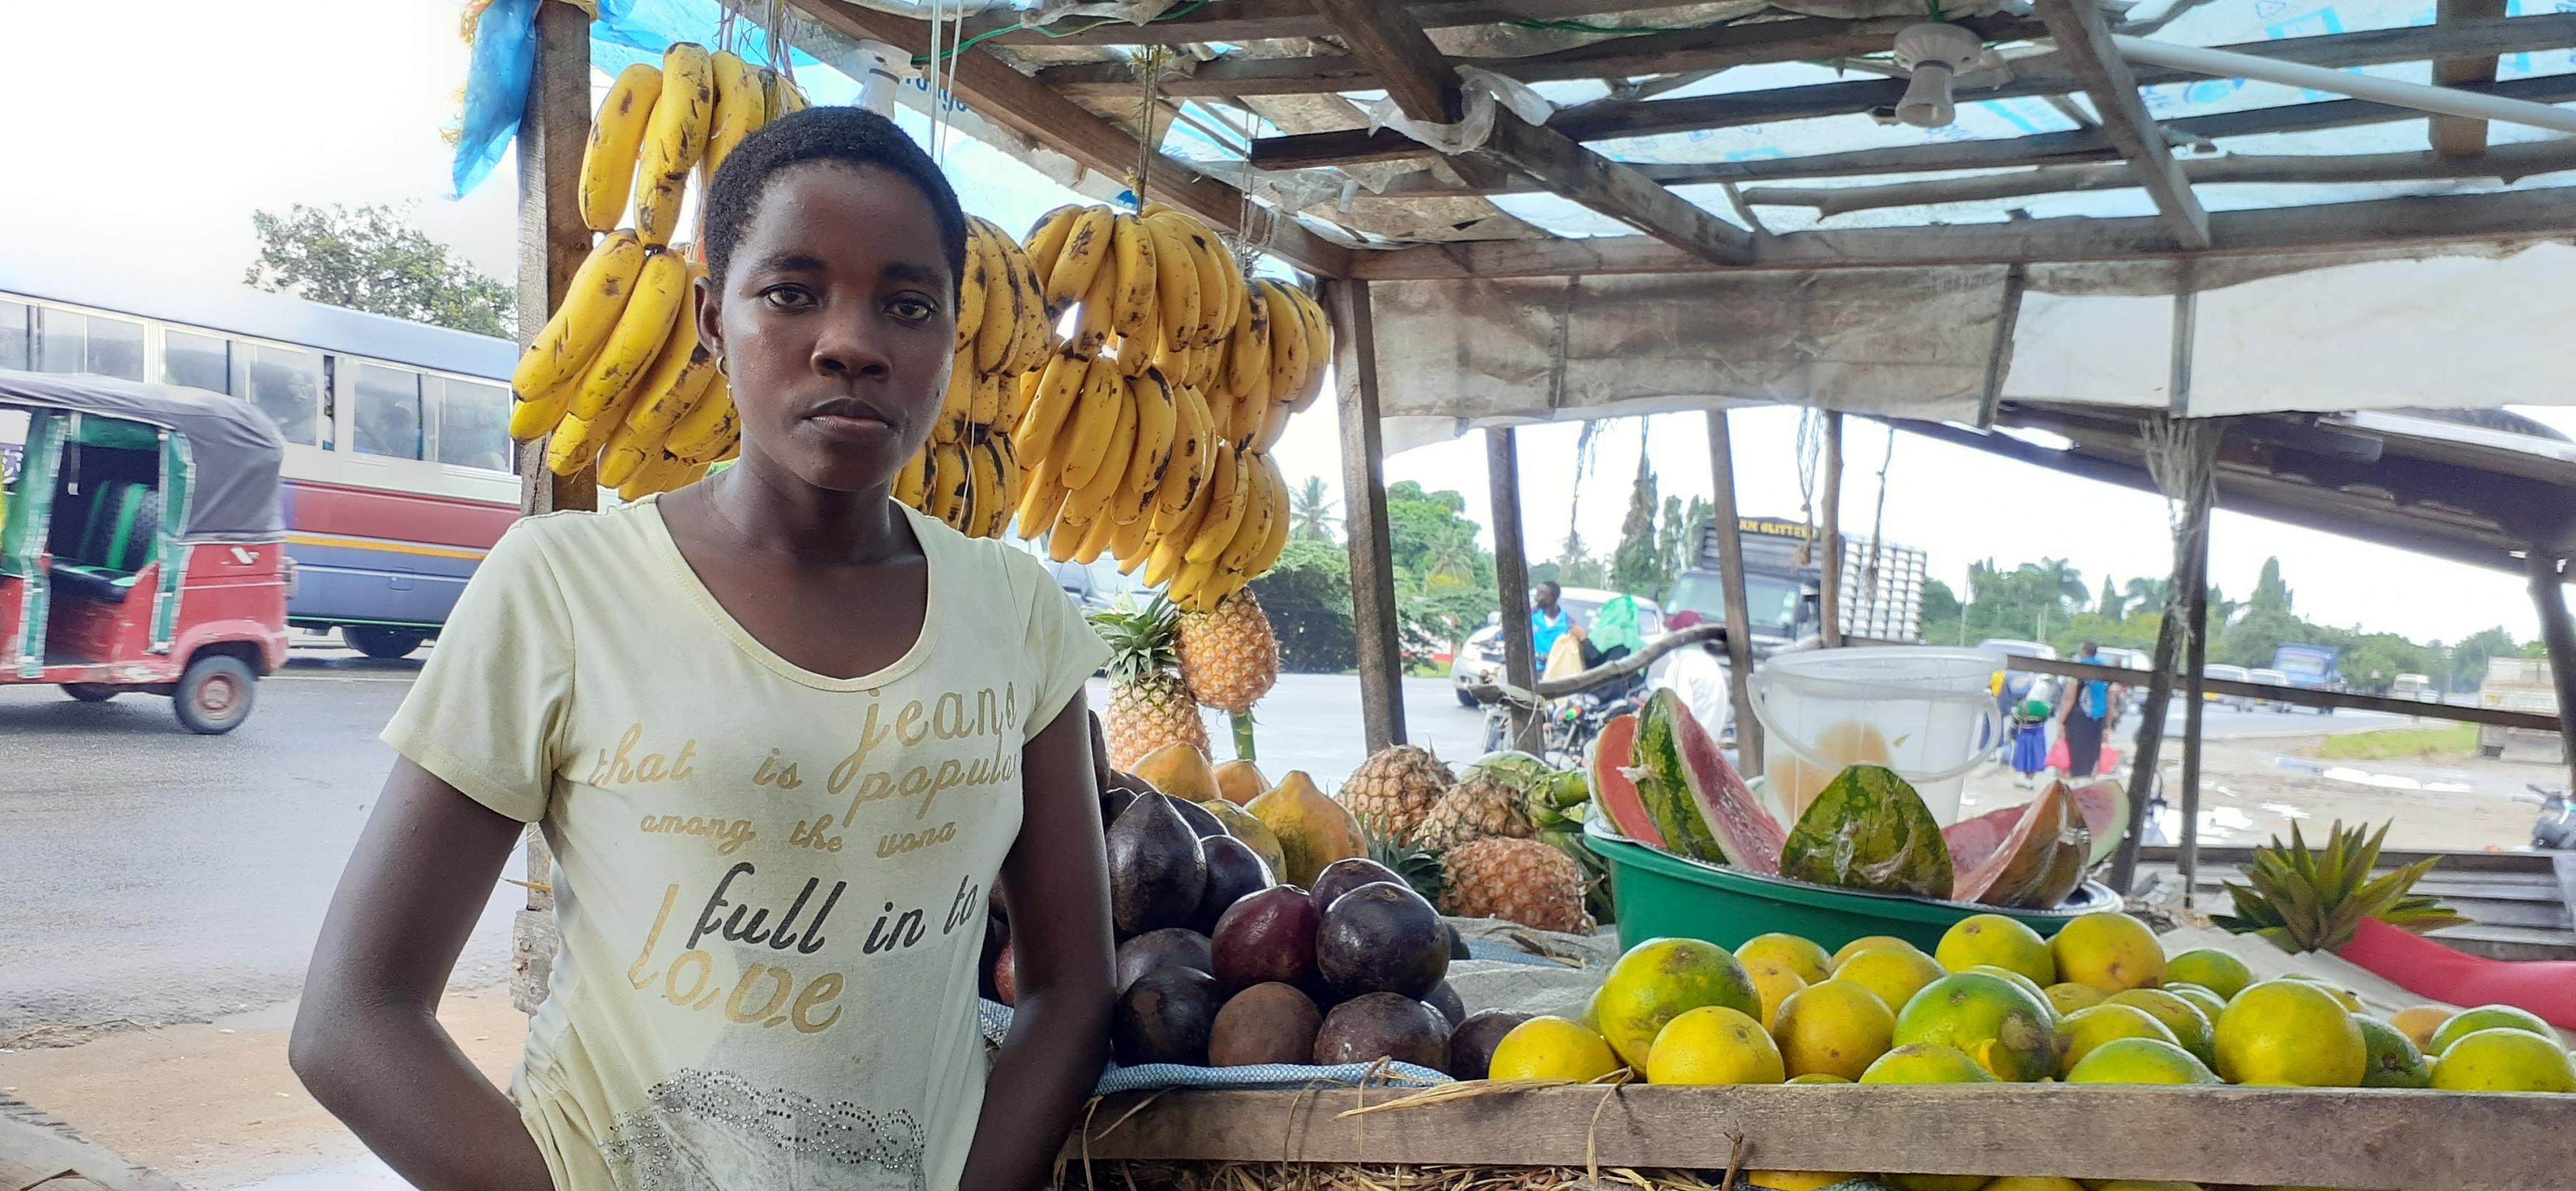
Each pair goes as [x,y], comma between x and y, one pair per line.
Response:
[1381,660]
[2549,595]
[1730,566]
[1511,576]
[2151,725]
[2083,39]
[1829,536]
[2454,136]
[2196,599]
[552,244]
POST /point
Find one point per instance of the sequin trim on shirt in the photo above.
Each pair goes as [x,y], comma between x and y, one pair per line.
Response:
[716,1131]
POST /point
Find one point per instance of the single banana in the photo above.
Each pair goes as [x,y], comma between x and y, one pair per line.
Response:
[1169,554]
[1046,244]
[1274,424]
[723,446]
[608,161]
[1083,248]
[1281,523]
[955,408]
[913,482]
[1017,393]
[790,98]
[1065,540]
[1095,541]
[1059,392]
[984,469]
[1247,355]
[705,423]
[1255,527]
[1037,327]
[575,444]
[1176,285]
[1042,497]
[1092,323]
[985,404]
[1090,499]
[531,418]
[1085,437]
[680,372]
[1001,308]
[592,304]
[1287,338]
[971,282]
[1006,468]
[1221,412]
[642,330]
[1216,302]
[675,137]
[1226,504]
[1188,469]
[1132,250]
[1319,352]
[619,459]
[946,485]
[1128,545]
[1156,418]
[740,109]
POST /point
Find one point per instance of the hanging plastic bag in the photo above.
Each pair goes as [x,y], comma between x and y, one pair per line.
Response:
[1564,660]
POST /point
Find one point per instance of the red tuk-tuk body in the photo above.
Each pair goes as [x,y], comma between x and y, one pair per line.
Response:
[141,546]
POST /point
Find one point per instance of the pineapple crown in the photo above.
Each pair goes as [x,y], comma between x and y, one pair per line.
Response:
[1140,640]
[1420,867]
[2304,900]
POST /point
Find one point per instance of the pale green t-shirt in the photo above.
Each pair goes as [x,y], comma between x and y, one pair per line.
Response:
[770,883]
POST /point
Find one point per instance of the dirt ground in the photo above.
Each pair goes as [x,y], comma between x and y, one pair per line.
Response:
[214,1105]
[2254,787]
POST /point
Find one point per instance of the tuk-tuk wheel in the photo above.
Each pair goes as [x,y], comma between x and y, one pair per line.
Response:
[214,694]
[92,692]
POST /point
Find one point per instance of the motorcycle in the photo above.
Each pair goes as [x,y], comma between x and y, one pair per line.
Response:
[1567,724]
[2555,830]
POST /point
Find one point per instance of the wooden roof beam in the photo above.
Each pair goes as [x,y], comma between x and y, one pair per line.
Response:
[1427,87]
[2512,217]
[2084,45]
[1258,19]
[2049,75]
[2455,136]
[1018,102]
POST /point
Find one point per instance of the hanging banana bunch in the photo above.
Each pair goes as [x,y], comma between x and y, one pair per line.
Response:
[617,375]
[1146,435]
[968,475]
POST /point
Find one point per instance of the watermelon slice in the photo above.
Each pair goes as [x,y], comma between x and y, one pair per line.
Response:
[1698,800]
[1613,752]
[2106,814]
[1868,829]
[1972,840]
[2036,864]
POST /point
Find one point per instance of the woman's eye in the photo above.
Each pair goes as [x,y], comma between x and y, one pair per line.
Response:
[787,297]
[912,310]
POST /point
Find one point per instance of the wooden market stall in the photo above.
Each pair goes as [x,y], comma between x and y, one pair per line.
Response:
[1642,248]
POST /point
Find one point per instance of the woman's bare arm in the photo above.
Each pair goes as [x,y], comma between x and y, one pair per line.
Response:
[1056,881]
[367,1041]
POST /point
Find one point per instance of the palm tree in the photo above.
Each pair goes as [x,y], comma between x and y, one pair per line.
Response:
[1310,511]
[2061,574]
[2147,595]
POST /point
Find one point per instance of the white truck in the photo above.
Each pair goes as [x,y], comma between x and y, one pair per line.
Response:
[2519,684]
[1882,594]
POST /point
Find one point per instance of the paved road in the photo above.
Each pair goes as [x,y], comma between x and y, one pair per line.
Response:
[161,876]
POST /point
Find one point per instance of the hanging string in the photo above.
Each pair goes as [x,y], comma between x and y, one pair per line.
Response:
[941,68]
[1869,587]
[1149,91]
[1811,450]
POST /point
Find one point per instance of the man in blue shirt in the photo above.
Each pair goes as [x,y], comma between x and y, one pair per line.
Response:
[1547,621]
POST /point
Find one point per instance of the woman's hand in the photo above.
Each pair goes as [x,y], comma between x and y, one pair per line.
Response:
[1056,881]
[367,1042]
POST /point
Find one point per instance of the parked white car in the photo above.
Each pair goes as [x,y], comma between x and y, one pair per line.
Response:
[1481,659]
[2229,674]
[2273,677]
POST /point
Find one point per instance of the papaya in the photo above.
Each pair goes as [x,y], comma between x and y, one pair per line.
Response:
[1240,781]
[1181,771]
[1868,829]
[1313,830]
[1698,802]
[1614,753]
[2037,863]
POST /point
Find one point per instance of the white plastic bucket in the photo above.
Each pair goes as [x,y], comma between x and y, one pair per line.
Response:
[1924,712]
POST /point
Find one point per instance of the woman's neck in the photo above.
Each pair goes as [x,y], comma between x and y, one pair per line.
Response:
[786,516]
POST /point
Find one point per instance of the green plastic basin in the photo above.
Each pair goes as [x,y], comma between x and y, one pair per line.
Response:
[1661,895]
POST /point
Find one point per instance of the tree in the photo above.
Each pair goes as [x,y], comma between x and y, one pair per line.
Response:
[1578,568]
[2469,657]
[1677,541]
[2146,595]
[370,259]
[2061,574]
[1940,614]
[2271,594]
[1308,599]
[1632,564]
[2222,609]
[1310,512]
[2112,606]
[1444,581]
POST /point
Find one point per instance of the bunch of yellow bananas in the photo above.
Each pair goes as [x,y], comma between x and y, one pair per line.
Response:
[1147,435]
[968,475]
[617,375]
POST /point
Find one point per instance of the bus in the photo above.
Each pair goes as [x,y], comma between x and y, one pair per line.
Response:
[399,469]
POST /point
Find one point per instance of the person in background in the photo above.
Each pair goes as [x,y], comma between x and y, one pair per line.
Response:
[2029,740]
[2084,715]
[1613,636]
[1698,676]
[1547,621]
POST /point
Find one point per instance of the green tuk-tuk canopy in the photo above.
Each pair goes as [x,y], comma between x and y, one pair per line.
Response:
[232,447]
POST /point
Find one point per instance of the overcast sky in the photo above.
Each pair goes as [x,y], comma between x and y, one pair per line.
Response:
[156,152]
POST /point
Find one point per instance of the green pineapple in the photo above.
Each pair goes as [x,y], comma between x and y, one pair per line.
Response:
[2303,900]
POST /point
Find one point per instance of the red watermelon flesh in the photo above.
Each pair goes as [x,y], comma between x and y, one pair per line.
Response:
[2036,864]
[1613,752]
[1745,830]
[1973,840]
[2106,814]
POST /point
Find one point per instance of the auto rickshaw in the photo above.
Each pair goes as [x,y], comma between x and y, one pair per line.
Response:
[141,547]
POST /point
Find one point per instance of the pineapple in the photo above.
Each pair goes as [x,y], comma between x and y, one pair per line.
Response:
[1479,806]
[1392,791]
[2313,901]
[1520,880]
[1149,707]
[1229,657]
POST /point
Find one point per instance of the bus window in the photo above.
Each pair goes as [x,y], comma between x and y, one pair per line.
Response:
[69,342]
[286,384]
[473,425]
[197,361]
[13,338]
[387,420]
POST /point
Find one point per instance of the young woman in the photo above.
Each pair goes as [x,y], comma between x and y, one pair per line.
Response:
[783,735]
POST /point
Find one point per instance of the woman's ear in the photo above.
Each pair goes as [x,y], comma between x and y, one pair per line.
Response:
[708,306]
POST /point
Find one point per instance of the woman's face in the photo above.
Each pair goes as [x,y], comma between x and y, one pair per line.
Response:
[836,325]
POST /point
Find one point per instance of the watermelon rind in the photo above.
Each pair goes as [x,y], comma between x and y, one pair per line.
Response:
[1868,829]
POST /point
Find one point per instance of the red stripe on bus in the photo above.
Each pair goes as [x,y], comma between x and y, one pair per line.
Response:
[410,517]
